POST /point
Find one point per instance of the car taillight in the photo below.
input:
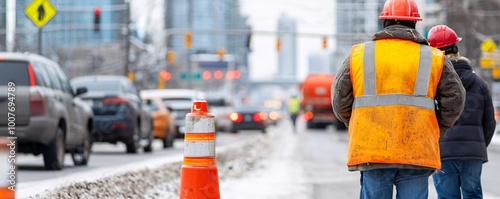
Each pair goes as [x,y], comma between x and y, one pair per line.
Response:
[31,75]
[120,125]
[273,115]
[260,116]
[308,116]
[37,103]
[114,100]
[235,117]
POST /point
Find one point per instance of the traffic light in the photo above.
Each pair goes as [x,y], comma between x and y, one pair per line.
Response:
[131,76]
[325,42]
[171,56]
[188,40]
[220,53]
[97,19]
[278,44]
[163,76]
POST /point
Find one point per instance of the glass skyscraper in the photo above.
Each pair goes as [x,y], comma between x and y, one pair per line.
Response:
[207,15]
[3,25]
[287,62]
[73,25]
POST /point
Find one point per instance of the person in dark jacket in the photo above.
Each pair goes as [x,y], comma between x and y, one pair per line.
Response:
[463,148]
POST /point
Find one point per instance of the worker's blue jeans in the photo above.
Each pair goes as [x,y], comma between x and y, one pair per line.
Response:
[459,174]
[410,183]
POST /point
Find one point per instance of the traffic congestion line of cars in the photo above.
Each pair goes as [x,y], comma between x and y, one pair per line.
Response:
[56,115]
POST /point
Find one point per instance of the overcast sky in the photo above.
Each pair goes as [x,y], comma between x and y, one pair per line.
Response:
[312,16]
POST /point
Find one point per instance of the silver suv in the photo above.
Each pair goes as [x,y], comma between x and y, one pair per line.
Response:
[47,118]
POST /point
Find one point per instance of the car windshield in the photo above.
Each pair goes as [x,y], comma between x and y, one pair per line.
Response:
[102,85]
[153,105]
[177,100]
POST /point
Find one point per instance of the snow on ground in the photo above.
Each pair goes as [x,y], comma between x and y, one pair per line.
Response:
[162,181]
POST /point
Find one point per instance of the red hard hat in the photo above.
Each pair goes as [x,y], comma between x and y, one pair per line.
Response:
[441,36]
[400,10]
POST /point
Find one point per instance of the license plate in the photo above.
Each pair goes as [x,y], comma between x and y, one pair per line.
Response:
[247,118]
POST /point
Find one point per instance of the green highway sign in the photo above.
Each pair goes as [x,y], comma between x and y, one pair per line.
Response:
[194,75]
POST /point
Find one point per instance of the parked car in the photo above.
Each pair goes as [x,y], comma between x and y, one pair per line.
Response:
[248,117]
[163,122]
[43,111]
[221,108]
[179,101]
[118,112]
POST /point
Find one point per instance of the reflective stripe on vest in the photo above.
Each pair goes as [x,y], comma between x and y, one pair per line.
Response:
[421,85]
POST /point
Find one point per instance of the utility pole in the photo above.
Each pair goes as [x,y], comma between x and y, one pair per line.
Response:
[190,26]
[127,40]
[10,25]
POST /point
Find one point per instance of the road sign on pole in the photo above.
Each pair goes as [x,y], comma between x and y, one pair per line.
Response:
[488,46]
[190,76]
[40,12]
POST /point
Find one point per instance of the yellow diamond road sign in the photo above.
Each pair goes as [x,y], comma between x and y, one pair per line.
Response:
[488,46]
[40,12]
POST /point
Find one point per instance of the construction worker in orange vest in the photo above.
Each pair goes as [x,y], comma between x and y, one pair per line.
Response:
[398,96]
[460,174]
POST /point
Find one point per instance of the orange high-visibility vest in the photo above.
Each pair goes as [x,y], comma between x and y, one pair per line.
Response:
[393,119]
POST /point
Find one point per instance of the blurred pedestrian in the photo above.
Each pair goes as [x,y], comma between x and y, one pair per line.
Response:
[385,93]
[294,109]
[463,148]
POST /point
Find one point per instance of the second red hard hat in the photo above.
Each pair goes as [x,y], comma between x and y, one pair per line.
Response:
[441,36]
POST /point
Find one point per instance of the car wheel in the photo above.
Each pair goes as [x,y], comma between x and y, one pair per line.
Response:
[53,154]
[310,125]
[133,143]
[168,140]
[234,130]
[149,148]
[82,155]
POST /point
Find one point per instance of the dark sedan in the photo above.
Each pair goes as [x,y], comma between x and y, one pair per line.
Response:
[248,117]
[118,111]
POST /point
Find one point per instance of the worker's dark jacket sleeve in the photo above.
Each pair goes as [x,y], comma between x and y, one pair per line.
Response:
[450,96]
[342,97]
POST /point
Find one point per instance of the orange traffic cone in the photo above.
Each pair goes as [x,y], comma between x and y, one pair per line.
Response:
[199,176]
[7,168]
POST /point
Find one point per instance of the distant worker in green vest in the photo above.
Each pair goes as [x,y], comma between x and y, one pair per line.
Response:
[293,109]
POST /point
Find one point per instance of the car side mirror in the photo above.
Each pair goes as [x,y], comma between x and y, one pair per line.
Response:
[81,90]
[148,102]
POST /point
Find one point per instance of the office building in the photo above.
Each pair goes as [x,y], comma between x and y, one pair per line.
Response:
[287,61]
[319,62]
[205,17]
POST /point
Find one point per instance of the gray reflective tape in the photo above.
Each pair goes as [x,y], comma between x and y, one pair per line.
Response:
[370,85]
[424,71]
[199,148]
[200,125]
[398,99]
